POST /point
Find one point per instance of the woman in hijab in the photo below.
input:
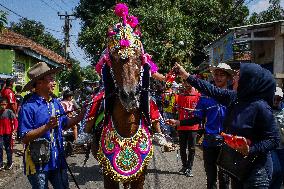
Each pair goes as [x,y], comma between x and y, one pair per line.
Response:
[249,115]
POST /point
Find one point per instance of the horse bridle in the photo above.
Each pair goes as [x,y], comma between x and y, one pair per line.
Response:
[118,89]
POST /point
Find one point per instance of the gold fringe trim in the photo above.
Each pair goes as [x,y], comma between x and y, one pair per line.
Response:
[109,170]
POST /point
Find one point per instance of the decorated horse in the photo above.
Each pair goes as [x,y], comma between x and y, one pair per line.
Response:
[125,146]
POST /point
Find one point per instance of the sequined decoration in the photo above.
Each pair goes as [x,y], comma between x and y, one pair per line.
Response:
[124,33]
[124,159]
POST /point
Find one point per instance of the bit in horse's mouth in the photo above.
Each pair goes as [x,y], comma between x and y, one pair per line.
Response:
[130,101]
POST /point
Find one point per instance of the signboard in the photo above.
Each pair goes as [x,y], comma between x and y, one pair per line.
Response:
[19,72]
[222,50]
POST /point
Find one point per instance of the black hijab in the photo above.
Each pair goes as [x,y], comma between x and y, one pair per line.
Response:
[255,83]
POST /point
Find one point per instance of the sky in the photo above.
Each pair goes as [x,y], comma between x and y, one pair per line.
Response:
[46,12]
[260,5]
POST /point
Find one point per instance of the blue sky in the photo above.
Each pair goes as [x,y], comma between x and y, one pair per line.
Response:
[260,5]
[45,11]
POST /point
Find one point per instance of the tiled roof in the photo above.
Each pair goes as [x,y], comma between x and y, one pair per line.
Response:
[11,38]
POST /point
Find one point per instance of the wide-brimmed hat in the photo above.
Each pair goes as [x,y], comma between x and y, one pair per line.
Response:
[38,71]
[223,66]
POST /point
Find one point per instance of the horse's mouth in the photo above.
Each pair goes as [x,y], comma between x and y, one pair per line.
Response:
[130,101]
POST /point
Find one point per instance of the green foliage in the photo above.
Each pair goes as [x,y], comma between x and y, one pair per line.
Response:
[209,19]
[90,74]
[3,19]
[71,78]
[274,12]
[36,31]
[171,30]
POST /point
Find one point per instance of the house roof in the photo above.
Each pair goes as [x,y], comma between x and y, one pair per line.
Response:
[252,26]
[258,25]
[21,42]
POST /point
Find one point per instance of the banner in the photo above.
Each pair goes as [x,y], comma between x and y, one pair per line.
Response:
[222,50]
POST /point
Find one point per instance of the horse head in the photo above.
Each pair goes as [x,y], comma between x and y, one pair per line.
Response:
[126,73]
[125,52]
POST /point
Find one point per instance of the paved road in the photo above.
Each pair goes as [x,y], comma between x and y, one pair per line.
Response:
[162,173]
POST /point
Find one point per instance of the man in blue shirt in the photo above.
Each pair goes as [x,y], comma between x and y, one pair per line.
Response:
[214,114]
[43,117]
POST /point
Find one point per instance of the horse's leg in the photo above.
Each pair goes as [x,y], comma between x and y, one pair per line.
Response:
[110,184]
[94,149]
[139,183]
[126,185]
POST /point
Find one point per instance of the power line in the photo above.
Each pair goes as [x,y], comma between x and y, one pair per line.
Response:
[52,30]
[56,4]
[67,26]
[25,17]
[12,11]
[87,61]
[65,3]
[49,6]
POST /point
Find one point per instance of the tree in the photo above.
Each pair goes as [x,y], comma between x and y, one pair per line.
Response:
[209,19]
[172,30]
[36,32]
[72,78]
[166,33]
[274,12]
[89,73]
[3,19]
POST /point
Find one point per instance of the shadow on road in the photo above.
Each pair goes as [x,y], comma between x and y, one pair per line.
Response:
[157,171]
[85,174]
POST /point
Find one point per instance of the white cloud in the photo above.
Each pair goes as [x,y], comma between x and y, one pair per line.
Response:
[260,5]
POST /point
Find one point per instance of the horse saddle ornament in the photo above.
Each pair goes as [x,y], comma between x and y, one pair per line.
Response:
[124,159]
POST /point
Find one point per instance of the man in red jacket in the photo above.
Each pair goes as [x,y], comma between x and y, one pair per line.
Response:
[186,102]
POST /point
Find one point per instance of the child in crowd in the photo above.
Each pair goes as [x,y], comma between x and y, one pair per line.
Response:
[69,107]
[8,128]
[18,96]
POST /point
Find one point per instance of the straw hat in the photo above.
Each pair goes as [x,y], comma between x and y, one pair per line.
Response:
[38,71]
[223,66]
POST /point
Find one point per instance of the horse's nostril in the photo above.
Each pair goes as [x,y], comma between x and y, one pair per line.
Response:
[123,94]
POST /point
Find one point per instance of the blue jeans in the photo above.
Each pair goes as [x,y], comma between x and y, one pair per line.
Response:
[278,169]
[58,179]
[5,140]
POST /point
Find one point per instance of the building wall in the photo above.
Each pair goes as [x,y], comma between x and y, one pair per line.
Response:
[263,52]
[28,62]
[270,54]
[279,55]
[7,57]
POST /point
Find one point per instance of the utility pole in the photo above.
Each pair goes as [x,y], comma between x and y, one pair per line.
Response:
[66,29]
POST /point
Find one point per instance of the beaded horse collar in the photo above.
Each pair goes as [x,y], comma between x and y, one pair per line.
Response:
[124,159]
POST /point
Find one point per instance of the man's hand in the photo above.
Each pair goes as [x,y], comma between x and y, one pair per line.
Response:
[53,122]
[180,71]
[173,122]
